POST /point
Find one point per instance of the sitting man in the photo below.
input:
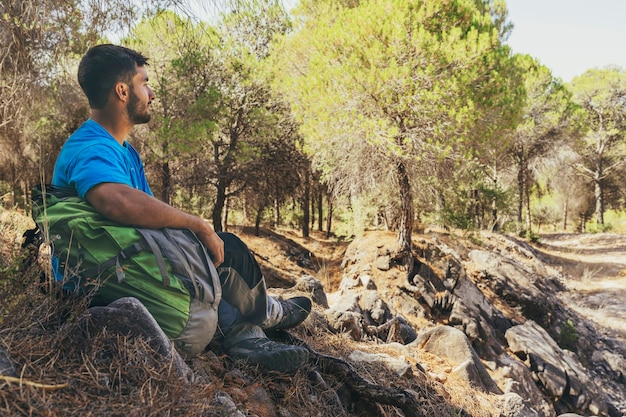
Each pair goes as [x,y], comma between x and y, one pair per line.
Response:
[105,170]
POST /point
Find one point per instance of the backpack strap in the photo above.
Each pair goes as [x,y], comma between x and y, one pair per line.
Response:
[115,260]
[162,241]
[158,256]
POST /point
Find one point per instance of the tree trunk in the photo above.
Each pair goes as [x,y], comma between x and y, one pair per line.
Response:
[476,212]
[320,209]
[225,215]
[583,223]
[13,185]
[257,221]
[599,192]
[520,190]
[527,203]
[565,208]
[276,213]
[313,212]
[405,229]
[220,200]
[329,216]
[166,184]
[26,192]
[244,210]
[166,176]
[306,205]
[494,216]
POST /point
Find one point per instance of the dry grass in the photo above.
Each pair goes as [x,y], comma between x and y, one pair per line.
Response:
[58,374]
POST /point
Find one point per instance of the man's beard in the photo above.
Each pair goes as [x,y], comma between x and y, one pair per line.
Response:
[135,116]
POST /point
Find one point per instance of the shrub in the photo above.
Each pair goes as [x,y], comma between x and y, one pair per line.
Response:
[568,336]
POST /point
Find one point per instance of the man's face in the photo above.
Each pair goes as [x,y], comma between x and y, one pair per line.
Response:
[141,96]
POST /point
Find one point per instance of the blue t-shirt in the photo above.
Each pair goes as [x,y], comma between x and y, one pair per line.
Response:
[91,156]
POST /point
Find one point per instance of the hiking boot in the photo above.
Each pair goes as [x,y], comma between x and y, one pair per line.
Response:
[295,311]
[270,355]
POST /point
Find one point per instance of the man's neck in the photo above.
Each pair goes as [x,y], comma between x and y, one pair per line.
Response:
[116,126]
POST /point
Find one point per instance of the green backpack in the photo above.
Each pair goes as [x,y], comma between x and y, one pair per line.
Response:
[168,270]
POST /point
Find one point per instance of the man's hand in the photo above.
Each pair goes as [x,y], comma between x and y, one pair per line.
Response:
[214,245]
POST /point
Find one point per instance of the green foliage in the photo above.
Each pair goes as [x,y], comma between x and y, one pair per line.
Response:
[428,86]
[469,198]
[545,211]
[600,95]
[389,86]
[215,122]
[548,121]
[530,235]
[568,335]
[593,227]
[10,273]
[617,219]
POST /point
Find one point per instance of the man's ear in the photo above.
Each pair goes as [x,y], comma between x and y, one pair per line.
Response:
[122,91]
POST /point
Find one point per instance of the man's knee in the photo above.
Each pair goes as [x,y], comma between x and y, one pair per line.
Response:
[232,242]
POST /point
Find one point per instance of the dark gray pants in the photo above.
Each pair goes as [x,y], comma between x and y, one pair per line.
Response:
[245,307]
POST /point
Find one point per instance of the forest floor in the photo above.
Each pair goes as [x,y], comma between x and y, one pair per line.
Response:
[593,269]
[594,266]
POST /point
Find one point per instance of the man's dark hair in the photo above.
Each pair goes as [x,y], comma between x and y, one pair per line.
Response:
[102,67]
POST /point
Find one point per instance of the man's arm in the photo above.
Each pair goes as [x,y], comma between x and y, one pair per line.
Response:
[126,205]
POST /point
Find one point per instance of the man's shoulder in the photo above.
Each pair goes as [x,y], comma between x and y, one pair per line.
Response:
[90,135]
[89,130]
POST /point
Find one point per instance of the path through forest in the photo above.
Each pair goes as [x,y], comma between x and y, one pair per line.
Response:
[595,269]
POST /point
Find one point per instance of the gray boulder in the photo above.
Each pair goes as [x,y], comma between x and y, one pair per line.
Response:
[514,405]
[127,316]
[515,378]
[452,344]
[559,372]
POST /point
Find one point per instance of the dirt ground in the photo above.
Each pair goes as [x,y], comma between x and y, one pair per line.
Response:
[594,266]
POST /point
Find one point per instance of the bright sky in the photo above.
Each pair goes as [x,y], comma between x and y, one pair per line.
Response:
[570,36]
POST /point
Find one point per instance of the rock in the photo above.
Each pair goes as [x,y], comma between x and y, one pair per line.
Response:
[383,262]
[345,321]
[127,316]
[258,399]
[514,406]
[398,365]
[560,373]
[615,362]
[346,301]
[310,285]
[484,293]
[452,344]
[514,377]
[360,282]
[6,365]
[396,330]
[401,332]
[373,307]
[514,282]
[225,406]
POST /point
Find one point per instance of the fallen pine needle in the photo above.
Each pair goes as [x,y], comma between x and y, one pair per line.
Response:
[32,384]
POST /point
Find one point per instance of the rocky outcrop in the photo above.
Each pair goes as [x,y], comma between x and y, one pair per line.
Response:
[559,372]
[501,309]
